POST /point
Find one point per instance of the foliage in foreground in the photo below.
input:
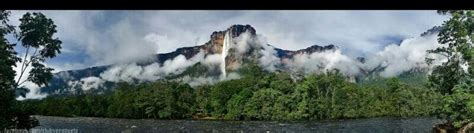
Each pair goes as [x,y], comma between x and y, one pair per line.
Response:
[36,34]
[449,78]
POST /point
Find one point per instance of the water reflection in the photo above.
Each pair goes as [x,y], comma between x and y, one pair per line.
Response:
[85,124]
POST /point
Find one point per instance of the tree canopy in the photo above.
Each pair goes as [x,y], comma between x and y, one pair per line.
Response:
[36,32]
[450,78]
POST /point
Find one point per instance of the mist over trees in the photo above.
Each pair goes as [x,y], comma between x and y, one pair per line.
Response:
[259,95]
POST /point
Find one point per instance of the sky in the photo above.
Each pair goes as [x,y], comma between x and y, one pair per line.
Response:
[92,38]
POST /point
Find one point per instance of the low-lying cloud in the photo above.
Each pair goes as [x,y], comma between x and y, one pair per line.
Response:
[394,58]
[325,61]
[108,37]
[398,58]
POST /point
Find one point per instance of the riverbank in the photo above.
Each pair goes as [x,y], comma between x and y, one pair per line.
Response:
[91,124]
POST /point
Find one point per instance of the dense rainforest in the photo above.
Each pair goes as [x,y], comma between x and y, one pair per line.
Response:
[259,95]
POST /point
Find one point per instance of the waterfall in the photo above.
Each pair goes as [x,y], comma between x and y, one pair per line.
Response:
[225,48]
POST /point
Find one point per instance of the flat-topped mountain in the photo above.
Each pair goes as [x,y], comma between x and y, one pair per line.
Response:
[217,59]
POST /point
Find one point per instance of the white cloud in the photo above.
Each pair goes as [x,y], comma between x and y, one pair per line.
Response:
[243,42]
[91,83]
[104,41]
[107,37]
[269,60]
[410,54]
[34,92]
[179,63]
[18,68]
[214,59]
[196,81]
[325,61]
[125,72]
[116,36]
[131,71]
[163,43]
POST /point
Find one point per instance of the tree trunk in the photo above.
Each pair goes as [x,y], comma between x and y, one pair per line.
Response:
[448,128]
[466,128]
[444,128]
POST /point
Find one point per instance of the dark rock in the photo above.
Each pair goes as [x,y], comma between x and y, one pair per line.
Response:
[213,46]
[434,30]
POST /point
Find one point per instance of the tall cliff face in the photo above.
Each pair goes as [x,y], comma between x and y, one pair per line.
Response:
[237,35]
[231,56]
[216,46]
[213,46]
[235,57]
[235,46]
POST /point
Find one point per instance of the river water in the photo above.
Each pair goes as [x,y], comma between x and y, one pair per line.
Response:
[105,125]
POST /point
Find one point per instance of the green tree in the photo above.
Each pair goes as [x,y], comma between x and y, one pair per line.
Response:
[403,97]
[166,100]
[260,105]
[223,91]
[8,60]
[317,96]
[456,38]
[37,36]
[36,33]
[458,107]
[124,102]
[450,79]
[281,81]
[203,104]
[185,100]
[283,107]
[236,104]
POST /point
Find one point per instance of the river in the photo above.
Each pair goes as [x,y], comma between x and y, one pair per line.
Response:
[105,125]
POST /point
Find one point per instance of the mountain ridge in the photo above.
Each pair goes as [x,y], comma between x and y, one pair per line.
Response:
[213,46]
[62,81]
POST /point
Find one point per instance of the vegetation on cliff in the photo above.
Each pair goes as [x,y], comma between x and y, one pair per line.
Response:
[259,95]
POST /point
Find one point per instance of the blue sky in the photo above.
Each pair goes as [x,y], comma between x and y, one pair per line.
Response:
[103,37]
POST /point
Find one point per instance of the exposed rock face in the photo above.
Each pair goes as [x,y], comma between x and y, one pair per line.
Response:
[312,49]
[233,60]
[188,52]
[361,59]
[236,57]
[213,46]
[287,55]
[434,30]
